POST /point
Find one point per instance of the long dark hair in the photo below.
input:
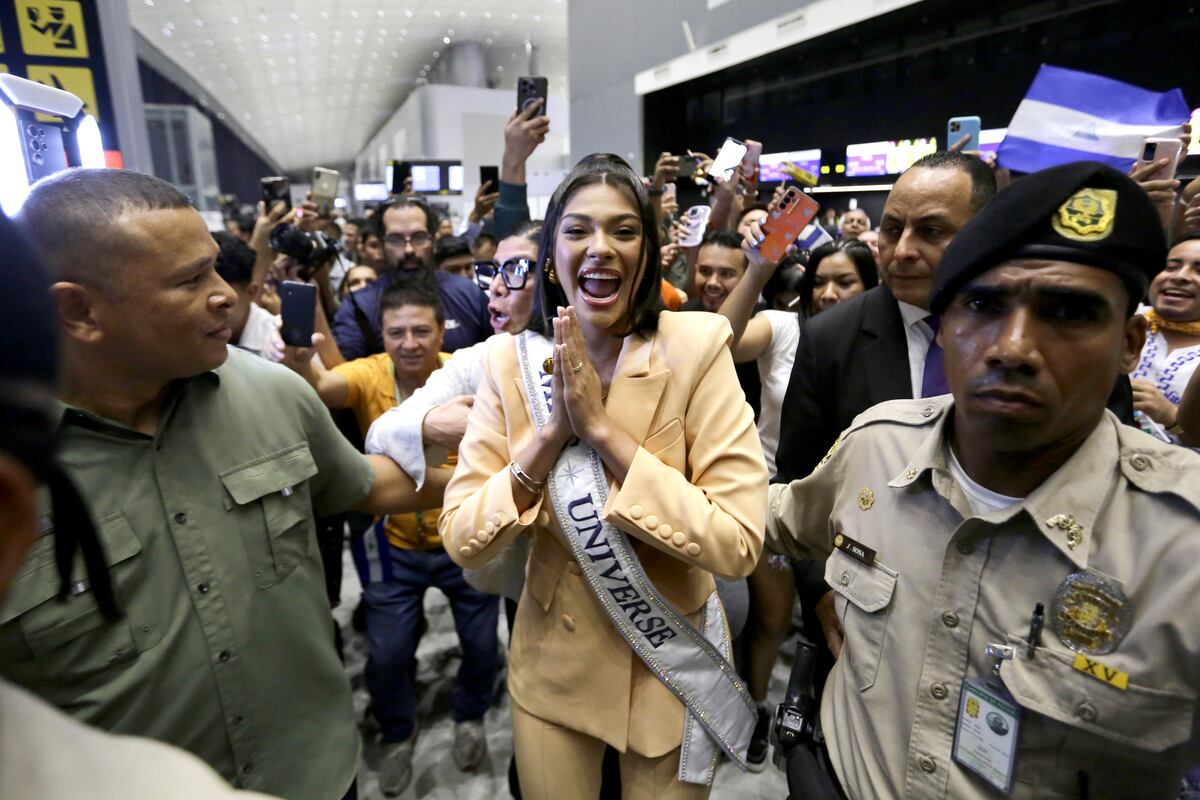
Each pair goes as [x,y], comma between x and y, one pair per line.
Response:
[646,301]
[858,253]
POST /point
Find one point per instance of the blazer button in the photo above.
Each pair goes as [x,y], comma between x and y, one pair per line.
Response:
[651,522]
[692,549]
[543,519]
[679,539]
[573,568]
[485,536]
[473,543]
[465,551]
[635,512]
[568,623]
[664,531]
[496,520]
[489,527]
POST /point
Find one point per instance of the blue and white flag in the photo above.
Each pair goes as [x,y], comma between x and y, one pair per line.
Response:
[1074,116]
[812,237]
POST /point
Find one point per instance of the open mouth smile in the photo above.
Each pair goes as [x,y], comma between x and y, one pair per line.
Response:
[600,287]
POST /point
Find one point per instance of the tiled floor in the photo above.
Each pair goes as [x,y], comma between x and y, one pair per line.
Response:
[435,775]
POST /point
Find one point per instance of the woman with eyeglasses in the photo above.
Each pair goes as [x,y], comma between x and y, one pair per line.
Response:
[436,414]
[615,435]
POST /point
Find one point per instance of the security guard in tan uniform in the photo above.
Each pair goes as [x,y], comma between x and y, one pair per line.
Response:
[1016,571]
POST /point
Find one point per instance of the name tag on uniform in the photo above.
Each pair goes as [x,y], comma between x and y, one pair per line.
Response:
[987,731]
[451,324]
[854,549]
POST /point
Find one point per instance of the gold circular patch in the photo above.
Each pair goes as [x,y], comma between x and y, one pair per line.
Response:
[838,540]
[866,499]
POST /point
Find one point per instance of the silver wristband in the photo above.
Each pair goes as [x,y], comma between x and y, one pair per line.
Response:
[530,485]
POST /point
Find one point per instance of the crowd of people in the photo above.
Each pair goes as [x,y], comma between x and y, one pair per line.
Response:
[959,438]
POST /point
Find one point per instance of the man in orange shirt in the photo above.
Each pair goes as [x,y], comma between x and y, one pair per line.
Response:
[402,556]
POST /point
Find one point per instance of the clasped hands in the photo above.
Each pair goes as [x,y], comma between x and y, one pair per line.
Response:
[577,393]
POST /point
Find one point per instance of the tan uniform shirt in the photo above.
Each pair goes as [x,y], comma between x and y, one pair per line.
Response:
[45,755]
[944,583]
[226,647]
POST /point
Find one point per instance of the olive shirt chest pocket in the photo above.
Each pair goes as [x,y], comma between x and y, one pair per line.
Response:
[269,499]
[45,641]
[864,602]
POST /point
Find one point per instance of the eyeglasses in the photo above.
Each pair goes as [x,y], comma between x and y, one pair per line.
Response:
[513,272]
[399,240]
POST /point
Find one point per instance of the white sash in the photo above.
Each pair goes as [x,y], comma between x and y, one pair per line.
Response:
[696,665]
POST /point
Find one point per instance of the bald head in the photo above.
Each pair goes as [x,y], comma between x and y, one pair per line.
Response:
[71,220]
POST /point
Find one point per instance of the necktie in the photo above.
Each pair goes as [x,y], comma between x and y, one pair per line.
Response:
[933,382]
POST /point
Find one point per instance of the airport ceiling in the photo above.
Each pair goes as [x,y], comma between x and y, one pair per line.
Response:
[312,80]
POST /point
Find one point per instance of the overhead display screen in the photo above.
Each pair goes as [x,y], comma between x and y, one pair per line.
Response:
[770,164]
[873,159]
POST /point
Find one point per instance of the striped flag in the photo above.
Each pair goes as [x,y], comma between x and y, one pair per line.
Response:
[812,237]
[1074,116]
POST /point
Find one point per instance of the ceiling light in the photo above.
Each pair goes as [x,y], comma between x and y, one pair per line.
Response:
[234,20]
[354,14]
[294,16]
[437,14]
[265,38]
[445,40]
[166,30]
[379,13]
[407,13]
[199,23]
[487,40]
[500,69]
[149,2]
[247,116]
[324,15]
[462,14]
[437,54]
[487,15]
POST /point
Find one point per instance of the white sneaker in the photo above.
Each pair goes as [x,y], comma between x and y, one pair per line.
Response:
[470,744]
[396,766]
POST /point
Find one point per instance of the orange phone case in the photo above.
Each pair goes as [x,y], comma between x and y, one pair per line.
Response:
[796,210]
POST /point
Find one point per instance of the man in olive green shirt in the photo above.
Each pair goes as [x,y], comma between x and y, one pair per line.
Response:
[201,466]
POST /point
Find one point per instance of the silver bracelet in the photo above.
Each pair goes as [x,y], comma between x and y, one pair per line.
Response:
[529,484]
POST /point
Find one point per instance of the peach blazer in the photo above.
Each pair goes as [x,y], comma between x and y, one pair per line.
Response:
[693,504]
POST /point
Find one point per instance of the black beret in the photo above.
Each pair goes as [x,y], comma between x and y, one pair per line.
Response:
[1084,212]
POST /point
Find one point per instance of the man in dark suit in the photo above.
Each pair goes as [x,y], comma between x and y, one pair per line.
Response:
[875,347]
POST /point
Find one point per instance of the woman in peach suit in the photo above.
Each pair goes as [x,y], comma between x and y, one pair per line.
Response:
[654,396]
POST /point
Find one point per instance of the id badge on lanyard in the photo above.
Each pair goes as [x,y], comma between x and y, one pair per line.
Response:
[988,731]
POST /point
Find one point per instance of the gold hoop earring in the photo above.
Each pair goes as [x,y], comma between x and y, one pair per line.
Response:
[551,275]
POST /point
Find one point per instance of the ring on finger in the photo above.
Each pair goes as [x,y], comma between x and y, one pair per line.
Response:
[576,368]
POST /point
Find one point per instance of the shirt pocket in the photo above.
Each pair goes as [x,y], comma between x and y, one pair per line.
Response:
[1088,724]
[864,603]
[269,499]
[48,642]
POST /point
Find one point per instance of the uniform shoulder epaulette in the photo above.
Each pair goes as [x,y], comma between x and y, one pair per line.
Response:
[1160,468]
[909,413]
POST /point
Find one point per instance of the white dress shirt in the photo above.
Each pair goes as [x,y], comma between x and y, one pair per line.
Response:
[397,433]
[919,336]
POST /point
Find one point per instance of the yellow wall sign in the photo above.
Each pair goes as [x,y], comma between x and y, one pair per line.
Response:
[76,80]
[52,28]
